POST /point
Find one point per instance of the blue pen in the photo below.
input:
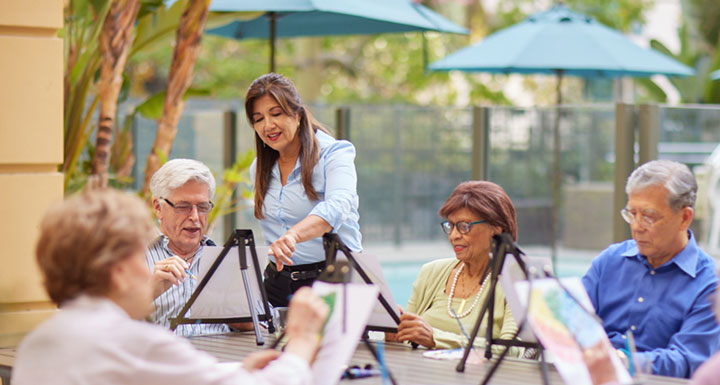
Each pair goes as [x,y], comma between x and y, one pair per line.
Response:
[353,373]
[381,360]
[191,274]
[630,351]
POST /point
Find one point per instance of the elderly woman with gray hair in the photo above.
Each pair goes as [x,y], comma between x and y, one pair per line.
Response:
[91,254]
[182,190]
[657,286]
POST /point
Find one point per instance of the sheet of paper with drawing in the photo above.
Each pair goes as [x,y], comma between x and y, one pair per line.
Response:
[224,295]
[380,319]
[350,310]
[577,342]
[512,273]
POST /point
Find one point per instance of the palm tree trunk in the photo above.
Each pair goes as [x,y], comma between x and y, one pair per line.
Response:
[115,41]
[187,47]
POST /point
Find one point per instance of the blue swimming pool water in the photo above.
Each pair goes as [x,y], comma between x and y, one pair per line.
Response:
[401,275]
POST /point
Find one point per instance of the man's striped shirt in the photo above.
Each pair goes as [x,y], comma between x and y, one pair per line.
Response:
[169,303]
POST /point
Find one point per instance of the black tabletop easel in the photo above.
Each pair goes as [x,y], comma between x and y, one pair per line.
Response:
[502,245]
[240,239]
[332,244]
[339,272]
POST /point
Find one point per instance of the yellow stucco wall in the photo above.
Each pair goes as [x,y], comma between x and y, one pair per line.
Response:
[31,100]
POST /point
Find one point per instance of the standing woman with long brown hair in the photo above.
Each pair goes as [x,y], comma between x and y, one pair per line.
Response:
[305,185]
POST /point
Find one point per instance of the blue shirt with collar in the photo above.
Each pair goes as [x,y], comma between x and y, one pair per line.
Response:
[668,309]
[335,180]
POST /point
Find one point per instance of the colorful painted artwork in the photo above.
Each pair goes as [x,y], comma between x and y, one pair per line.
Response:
[564,322]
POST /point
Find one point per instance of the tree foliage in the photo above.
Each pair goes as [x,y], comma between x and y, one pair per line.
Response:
[376,68]
[699,49]
[98,36]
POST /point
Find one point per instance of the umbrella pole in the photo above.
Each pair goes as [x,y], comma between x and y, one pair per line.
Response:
[272,17]
[557,182]
[425,52]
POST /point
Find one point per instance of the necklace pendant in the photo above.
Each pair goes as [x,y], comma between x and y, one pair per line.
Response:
[462,306]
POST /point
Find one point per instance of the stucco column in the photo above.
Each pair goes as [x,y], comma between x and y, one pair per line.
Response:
[31,148]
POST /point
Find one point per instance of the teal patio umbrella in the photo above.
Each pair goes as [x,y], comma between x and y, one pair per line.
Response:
[560,42]
[295,18]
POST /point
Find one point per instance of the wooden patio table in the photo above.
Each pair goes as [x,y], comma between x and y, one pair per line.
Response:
[408,366]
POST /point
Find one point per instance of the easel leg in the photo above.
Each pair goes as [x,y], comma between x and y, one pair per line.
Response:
[543,367]
[488,328]
[476,328]
[253,313]
[374,353]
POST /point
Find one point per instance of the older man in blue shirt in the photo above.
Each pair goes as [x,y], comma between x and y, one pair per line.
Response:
[658,285]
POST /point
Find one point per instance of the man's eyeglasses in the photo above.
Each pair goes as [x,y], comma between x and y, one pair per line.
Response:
[643,221]
[462,227]
[185,208]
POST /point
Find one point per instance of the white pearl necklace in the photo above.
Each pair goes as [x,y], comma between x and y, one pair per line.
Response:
[452,293]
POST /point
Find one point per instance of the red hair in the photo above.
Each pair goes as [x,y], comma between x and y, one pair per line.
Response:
[486,199]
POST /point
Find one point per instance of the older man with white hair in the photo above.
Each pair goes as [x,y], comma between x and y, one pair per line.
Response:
[657,286]
[181,197]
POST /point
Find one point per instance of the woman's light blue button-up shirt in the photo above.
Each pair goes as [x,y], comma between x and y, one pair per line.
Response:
[335,180]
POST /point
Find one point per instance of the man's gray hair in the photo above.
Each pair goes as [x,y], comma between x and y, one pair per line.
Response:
[676,177]
[175,173]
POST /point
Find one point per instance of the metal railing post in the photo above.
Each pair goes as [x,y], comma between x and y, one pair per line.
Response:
[398,184]
[342,123]
[624,164]
[480,169]
[648,132]
[229,157]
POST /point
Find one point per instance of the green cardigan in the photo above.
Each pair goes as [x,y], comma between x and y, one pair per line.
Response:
[429,287]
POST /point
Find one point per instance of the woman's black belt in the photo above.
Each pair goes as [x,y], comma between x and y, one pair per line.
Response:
[303,272]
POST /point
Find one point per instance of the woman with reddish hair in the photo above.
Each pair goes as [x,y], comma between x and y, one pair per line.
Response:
[453,289]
